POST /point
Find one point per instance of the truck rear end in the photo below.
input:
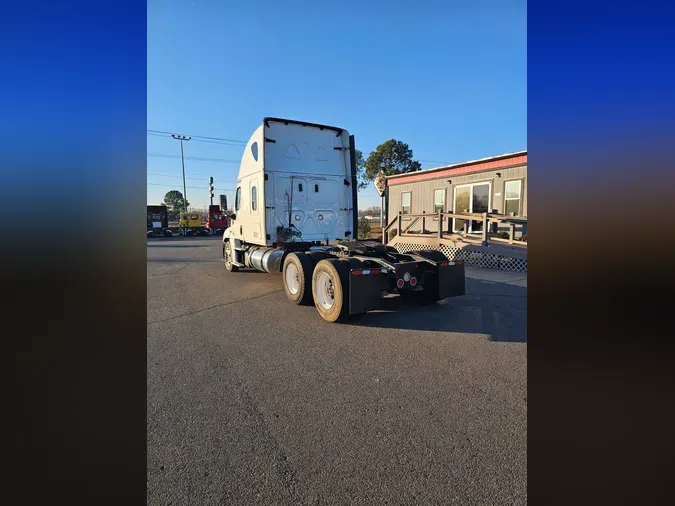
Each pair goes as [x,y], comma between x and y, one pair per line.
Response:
[309,182]
[296,194]
[158,221]
[191,224]
[217,221]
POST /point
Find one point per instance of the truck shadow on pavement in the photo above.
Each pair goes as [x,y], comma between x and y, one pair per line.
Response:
[168,245]
[498,310]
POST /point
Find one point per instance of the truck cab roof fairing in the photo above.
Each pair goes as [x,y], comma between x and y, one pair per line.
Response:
[303,123]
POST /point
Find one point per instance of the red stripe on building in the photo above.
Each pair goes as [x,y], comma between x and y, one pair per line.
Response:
[463,169]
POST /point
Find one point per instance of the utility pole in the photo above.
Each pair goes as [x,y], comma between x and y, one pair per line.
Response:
[211,189]
[182,138]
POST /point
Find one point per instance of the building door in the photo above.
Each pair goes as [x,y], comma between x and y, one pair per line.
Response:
[476,199]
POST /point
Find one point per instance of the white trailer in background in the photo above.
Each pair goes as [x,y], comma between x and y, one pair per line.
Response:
[296,194]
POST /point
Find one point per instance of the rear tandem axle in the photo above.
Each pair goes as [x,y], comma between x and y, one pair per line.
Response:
[355,277]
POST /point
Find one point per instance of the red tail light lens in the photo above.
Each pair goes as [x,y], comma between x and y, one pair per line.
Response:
[374,271]
[444,264]
[400,283]
[357,272]
[413,281]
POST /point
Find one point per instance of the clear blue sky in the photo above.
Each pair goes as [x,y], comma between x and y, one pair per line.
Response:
[451,82]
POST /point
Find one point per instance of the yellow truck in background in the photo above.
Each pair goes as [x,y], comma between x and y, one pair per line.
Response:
[191,224]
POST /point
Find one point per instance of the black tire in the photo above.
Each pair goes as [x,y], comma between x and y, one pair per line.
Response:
[168,233]
[297,271]
[337,303]
[317,256]
[227,258]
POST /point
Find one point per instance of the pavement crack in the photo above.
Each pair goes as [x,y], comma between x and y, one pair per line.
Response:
[285,470]
[197,311]
[171,273]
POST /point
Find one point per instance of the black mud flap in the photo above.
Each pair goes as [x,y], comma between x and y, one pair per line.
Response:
[450,279]
[414,271]
[365,291]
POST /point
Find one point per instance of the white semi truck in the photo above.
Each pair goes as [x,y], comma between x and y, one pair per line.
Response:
[296,194]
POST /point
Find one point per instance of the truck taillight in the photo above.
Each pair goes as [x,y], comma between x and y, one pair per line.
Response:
[444,264]
[357,272]
[400,283]
[413,281]
[375,271]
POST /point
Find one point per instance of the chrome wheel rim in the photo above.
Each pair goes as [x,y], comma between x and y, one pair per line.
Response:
[292,278]
[325,290]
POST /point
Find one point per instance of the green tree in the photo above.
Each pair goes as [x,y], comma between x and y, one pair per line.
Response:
[391,157]
[175,202]
[364,229]
[360,171]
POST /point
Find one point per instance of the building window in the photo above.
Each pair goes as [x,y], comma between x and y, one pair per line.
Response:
[254,198]
[512,197]
[254,151]
[439,201]
[405,203]
[237,199]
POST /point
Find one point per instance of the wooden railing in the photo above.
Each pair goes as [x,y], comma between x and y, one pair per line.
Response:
[483,237]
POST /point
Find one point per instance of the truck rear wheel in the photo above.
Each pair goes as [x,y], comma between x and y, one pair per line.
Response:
[227,257]
[330,288]
[297,274]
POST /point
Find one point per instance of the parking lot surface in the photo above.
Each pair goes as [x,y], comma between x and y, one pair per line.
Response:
[254,400]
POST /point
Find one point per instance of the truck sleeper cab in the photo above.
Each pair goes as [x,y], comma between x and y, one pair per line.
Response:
[296,194]
[191,224]
[217,221]
[158,222]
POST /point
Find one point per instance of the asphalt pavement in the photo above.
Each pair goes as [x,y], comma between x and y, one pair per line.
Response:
[253,400]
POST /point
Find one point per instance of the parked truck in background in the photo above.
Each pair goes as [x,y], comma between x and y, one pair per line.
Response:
[158,222]
[191,224]
[296,194]
[217,220]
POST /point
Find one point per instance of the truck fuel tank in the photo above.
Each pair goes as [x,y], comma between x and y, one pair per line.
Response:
[265,259]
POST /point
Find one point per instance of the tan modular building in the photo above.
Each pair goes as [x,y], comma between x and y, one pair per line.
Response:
[496,185]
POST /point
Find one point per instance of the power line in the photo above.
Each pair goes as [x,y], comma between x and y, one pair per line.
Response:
[198,158]
[193,178]
[240,143]
[195,187]
[205,137]
[219,143]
